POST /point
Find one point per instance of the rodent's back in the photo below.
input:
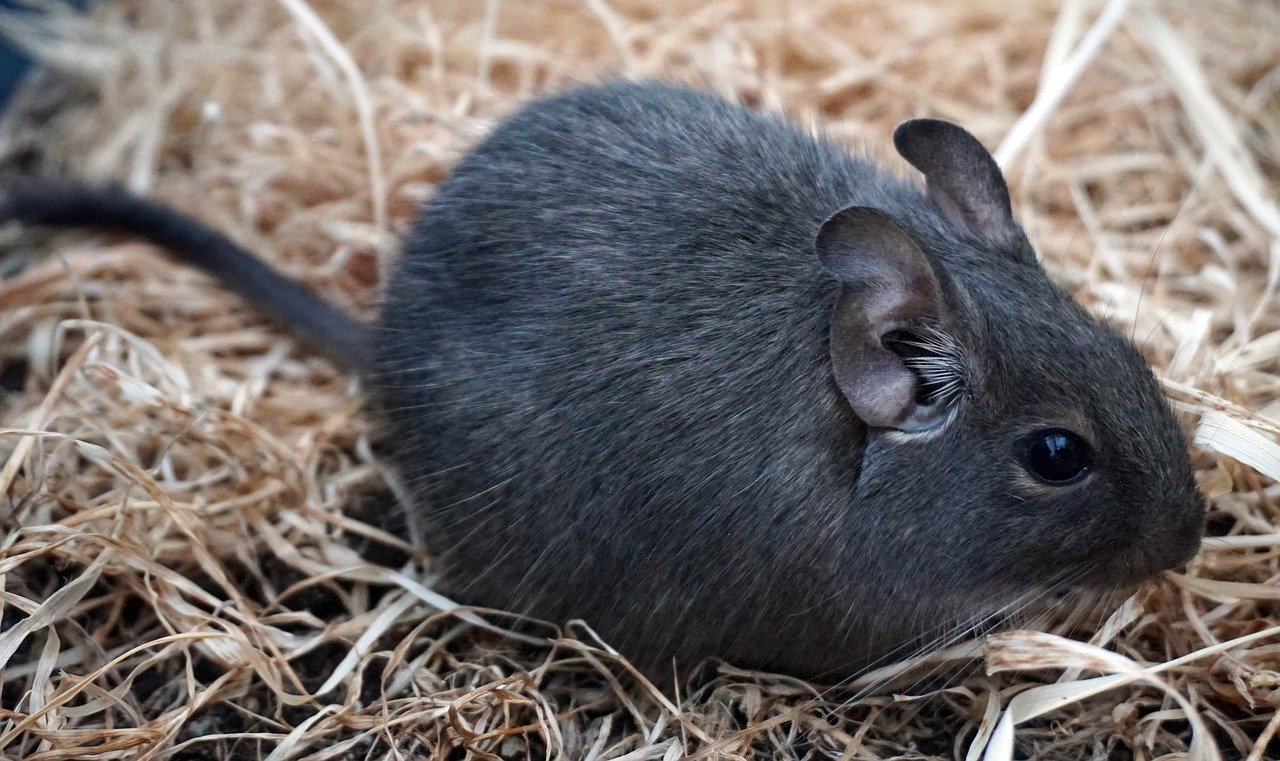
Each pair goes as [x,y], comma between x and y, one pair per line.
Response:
[604,351]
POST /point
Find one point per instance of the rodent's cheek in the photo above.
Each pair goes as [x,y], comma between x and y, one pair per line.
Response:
[1066,522]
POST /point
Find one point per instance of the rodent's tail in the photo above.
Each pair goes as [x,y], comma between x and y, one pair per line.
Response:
[62,203]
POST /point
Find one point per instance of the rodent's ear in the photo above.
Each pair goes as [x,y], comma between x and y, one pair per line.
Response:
[889,285]
[963,179]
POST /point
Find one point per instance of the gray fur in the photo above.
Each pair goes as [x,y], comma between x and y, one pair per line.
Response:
[604,359]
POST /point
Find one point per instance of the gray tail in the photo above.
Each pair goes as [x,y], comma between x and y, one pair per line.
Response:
[60,203]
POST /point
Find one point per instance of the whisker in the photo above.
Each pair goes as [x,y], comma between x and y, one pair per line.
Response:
[1001,616]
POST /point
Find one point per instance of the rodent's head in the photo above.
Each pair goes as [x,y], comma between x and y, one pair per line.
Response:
[1033,437]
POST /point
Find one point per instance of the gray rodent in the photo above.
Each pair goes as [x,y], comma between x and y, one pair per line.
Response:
[720,388]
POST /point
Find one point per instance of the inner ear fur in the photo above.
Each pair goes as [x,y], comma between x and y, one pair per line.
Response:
[963,180]
[888,284]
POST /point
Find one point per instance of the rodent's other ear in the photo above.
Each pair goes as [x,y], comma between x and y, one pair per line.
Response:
[963,179]
[889,285]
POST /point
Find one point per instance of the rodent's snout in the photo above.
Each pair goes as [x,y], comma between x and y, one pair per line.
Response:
[1145,560]
[1179,553]
[1169,544]
[1178,541]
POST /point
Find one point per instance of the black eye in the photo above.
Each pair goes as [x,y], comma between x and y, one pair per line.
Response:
[1057,456]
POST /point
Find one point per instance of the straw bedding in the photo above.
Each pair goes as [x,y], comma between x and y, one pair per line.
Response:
[197,560]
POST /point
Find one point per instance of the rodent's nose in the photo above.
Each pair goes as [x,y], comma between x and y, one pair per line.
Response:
[1190,549]
[1177,538]
[1177,547]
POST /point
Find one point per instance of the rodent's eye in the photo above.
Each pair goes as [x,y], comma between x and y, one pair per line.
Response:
[1057,456]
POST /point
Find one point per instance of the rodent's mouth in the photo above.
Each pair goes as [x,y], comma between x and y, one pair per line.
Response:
[1142,561]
